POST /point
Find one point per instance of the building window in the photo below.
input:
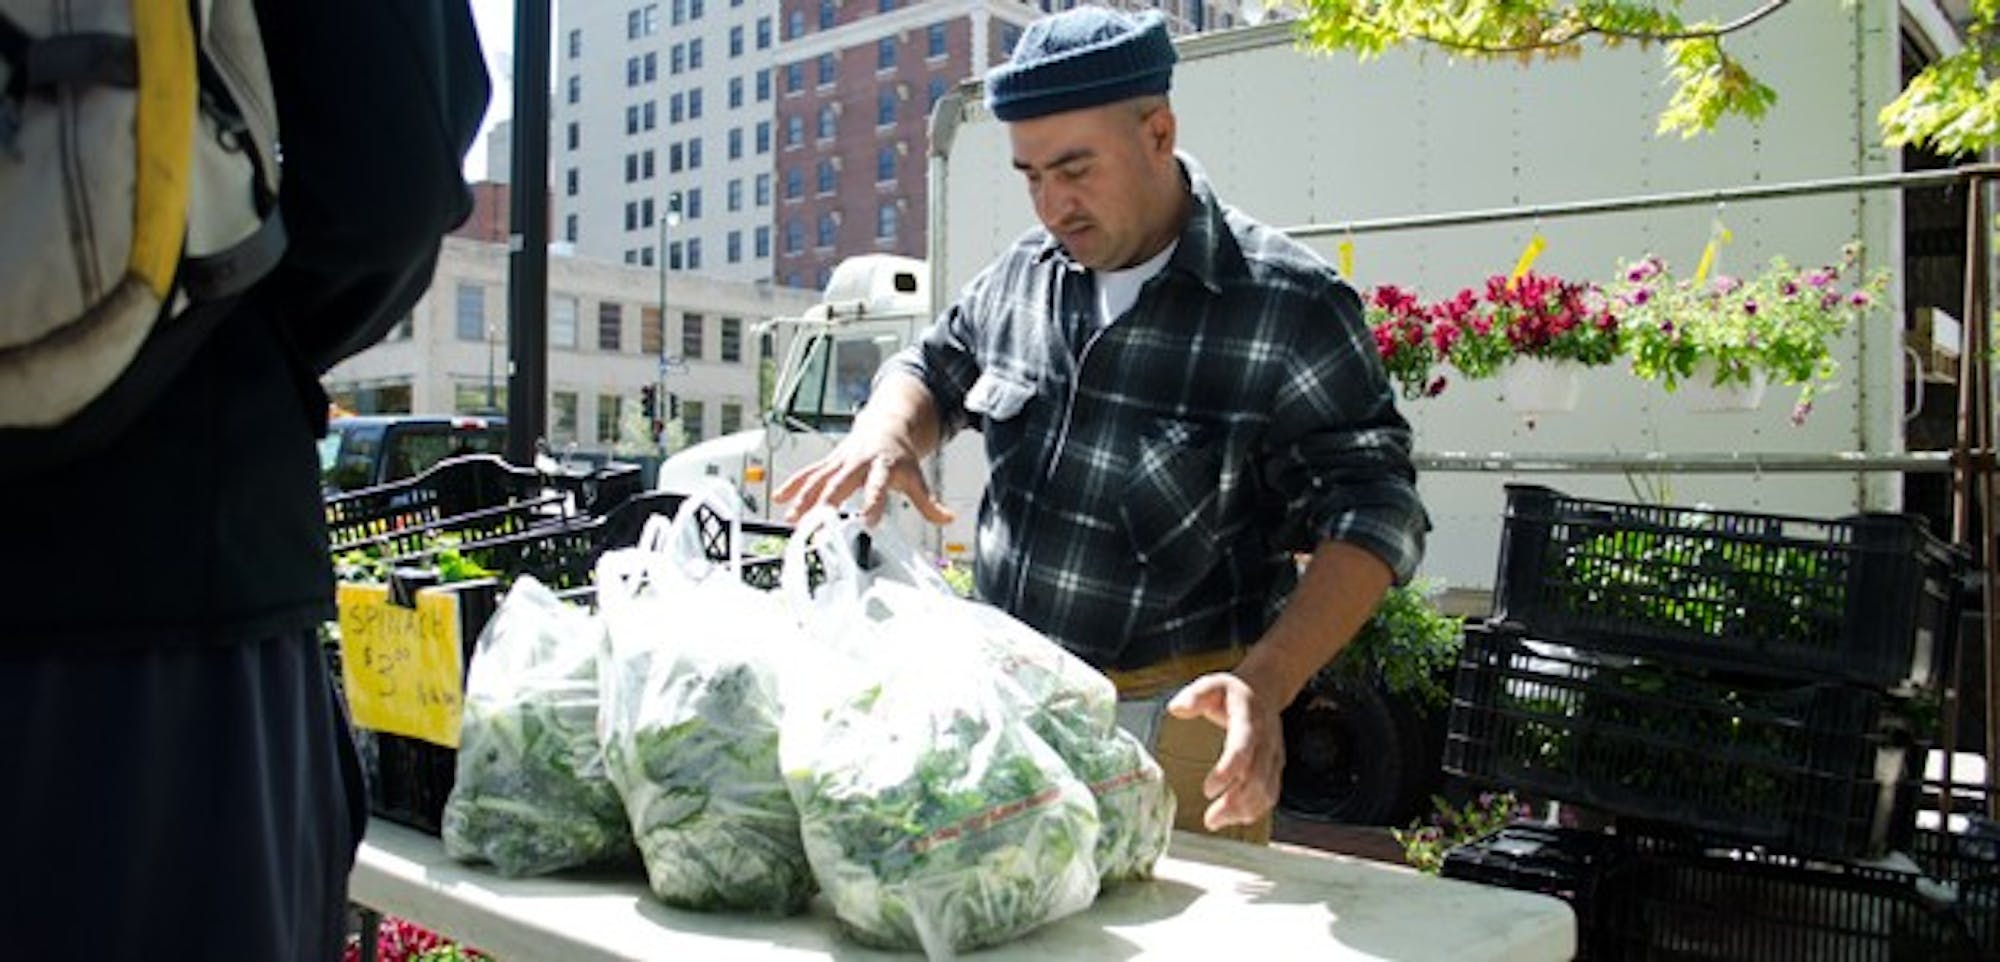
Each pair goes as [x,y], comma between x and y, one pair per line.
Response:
[569,228]
[691,415]
[763,190]
[795,183]
[936,40]
[763,241]
[735,92]
[694,153]
[828,14]
[631,71]
[607,418]
[885,53]
[885,163]
[562,416]
[694,253]
[1009,36]
[575,88]
[732,419]
[795,24]
[676,108]
[650,115]
[693,206]
[735,143]
[631,223]
[650,21]
[733,197]
[631,167]
[573,132]
[675,158]
[885,6]
[936,94]
[829,69]
[694,104]
[610,318]
[632,119]
[575,44]
[652,69]
[763,136]
[736,41]
[471,313]
[795,236]
[679,57]
[829,122]
[674,255]
[646,212]
[885,221]
[691,336]
[680,12]
[562,322]
[646,165]
[795,130]
[404,328]
[763,33]
[632,24]
[733,247]
[827,177]
[885,108]
[652,333]
[827,229]
[645,257]
[694,54]
[732,340]
[763,85]
[795,77]
[694,9]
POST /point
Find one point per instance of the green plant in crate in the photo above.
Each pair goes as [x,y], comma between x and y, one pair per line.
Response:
[1426,841]
[1408,643]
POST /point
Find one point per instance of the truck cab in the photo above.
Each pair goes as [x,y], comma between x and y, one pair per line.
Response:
[872,307]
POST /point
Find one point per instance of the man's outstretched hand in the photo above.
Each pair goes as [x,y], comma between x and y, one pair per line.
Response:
[1243,786]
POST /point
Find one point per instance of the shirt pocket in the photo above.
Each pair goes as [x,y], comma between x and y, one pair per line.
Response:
[1169,503]
[998,397]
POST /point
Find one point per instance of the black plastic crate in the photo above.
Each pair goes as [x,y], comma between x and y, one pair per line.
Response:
[410,778]
[1967,866]
[453,487]
[1563,862]
[1822,769]
[1669,900]
[1870,599]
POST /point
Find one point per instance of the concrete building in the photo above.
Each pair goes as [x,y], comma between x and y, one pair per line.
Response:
[785,135]
[606,344]
[665,105]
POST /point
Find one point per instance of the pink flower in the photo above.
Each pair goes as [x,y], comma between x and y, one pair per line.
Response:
[1436,387]
[1800,411]
[1750,306]
[1860,299]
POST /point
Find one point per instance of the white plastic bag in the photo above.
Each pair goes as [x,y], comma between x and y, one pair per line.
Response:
[531,794]
[934,817]
[691,720]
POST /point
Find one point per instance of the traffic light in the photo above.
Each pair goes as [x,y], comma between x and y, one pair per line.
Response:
[649,402]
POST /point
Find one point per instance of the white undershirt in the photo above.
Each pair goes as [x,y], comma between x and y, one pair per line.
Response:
[1117,290]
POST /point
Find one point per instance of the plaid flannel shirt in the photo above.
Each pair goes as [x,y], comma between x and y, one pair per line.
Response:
[1147,490]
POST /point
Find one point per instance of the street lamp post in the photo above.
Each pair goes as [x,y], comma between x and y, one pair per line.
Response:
[492,405]
[669,217]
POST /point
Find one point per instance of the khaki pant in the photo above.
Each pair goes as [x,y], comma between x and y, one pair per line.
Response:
[1186,748]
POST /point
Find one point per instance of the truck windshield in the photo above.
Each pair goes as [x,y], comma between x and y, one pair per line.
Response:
[834,392]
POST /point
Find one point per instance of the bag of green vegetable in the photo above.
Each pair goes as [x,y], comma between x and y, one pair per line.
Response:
[935,818]
[691,719]
[1069,704]
[531,794]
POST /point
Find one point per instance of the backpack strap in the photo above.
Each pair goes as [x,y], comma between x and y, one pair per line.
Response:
[232,271]
[71,59]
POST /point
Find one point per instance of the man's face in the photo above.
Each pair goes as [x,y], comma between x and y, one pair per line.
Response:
[1101,180]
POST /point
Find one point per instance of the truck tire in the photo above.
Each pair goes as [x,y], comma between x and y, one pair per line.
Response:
[1353,753]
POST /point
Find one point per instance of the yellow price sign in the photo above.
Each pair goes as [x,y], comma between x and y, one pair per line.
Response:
[1347,259]
[402,667]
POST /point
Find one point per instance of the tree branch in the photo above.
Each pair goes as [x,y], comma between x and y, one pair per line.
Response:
[1585,29]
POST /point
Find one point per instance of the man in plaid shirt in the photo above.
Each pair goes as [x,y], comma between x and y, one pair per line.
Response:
[1176,400]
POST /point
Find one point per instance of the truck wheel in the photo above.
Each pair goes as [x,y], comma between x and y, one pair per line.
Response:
[1351,753]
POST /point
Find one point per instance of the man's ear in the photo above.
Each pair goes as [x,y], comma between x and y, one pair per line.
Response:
[1161,128]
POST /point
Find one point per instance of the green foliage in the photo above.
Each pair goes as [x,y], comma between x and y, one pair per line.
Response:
[1425,845]
[1781,322]
[1952,106]
[1407,643]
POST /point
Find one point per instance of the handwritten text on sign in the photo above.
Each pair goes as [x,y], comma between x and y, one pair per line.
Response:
[401,666]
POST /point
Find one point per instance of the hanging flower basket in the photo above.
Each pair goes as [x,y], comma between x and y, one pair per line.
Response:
[1535,385]
[1702,395]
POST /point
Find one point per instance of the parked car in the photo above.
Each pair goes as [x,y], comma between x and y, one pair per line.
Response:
[361,452]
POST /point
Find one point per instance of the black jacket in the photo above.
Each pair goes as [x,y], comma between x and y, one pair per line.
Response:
[202,522]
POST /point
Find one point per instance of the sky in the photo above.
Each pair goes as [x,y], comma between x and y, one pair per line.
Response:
[495,19]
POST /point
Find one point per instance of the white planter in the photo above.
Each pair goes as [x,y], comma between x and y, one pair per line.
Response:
[1700,394]
[1531,385]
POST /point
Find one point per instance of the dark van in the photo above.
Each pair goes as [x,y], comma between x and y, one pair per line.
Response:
[361,452]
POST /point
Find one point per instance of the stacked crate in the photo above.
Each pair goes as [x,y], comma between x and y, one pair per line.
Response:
[1748,697]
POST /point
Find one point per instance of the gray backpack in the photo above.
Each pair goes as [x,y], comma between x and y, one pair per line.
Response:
[138,172]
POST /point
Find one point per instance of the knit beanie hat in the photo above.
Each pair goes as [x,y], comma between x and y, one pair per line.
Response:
[1082,57]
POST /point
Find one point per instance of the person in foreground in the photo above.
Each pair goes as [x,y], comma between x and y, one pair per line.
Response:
[181,782]
[1175,400]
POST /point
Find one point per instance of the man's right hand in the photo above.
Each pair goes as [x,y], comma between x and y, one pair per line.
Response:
[883,453]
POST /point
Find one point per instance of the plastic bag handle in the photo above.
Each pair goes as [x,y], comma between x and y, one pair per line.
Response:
[823,530]
[681,542]
[894,551]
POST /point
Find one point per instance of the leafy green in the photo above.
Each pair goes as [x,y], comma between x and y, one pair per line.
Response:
[934,819]
[1408,642]
[697,764]
[531,796]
